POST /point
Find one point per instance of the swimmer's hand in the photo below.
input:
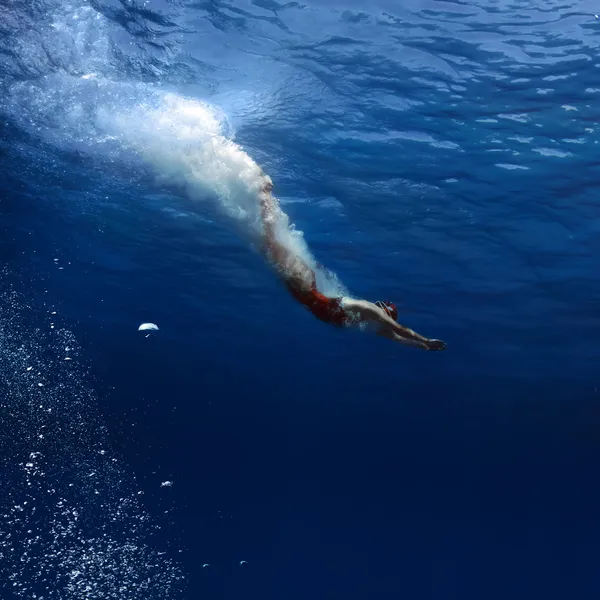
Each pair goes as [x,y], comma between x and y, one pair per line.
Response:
[435,345]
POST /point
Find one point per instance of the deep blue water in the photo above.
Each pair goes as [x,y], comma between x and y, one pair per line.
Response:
[443,155]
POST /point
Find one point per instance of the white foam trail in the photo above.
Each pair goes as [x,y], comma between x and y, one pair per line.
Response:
[183,139]
[187,142]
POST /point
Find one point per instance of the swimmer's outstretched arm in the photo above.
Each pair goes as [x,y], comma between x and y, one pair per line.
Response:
[367,311]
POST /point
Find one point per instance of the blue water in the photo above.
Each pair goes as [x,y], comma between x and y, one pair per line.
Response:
[439,154]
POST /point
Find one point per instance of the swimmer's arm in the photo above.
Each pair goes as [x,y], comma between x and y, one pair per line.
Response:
[388,333]
[367,311]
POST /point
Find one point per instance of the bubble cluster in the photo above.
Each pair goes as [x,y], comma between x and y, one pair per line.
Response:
[71,522]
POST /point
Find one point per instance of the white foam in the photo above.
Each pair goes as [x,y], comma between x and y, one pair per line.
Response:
[184,140]
[187,142]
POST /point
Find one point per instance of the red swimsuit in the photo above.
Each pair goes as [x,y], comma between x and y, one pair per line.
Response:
[326,309]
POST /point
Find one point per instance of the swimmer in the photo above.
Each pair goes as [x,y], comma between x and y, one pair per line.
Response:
[341,312]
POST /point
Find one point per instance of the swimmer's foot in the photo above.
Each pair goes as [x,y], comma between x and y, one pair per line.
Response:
[435,345]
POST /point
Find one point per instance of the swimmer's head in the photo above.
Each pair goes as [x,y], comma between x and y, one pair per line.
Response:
[389,308]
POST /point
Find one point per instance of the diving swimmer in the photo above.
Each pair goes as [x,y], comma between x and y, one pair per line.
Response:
[300,280]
